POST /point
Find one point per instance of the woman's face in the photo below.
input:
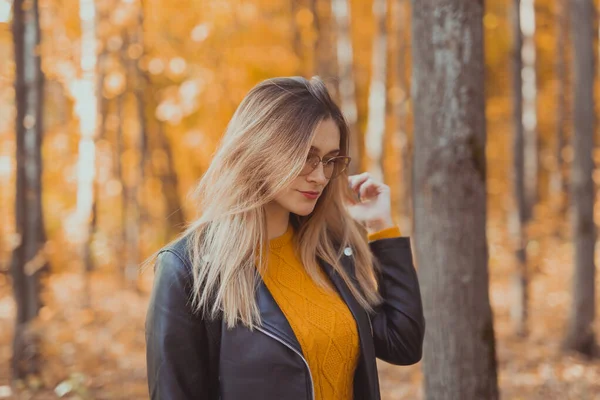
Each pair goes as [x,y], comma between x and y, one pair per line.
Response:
[326,144]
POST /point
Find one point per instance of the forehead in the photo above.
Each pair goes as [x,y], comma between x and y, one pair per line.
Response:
[327,136]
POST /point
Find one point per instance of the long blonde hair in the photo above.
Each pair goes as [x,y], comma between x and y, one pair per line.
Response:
[262,151]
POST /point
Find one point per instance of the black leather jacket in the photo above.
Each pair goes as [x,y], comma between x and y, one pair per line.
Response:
[267,363]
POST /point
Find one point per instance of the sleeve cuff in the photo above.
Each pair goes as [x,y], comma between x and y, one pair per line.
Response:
[386,233]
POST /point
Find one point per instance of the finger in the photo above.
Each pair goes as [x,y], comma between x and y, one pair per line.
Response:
[367,189]
[372,188]
[357,180]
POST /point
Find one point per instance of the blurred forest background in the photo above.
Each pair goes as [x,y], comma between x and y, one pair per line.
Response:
[115,108]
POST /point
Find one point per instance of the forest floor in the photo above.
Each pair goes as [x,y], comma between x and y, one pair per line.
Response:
[98,353]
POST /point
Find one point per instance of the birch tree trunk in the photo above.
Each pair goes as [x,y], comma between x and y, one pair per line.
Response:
[519,216]
[529,93]
[28,258]
[86,109]
[341,12]
[450,199]
[375,134]
[580,334]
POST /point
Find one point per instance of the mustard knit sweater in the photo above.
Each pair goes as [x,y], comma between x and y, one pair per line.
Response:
[321,321]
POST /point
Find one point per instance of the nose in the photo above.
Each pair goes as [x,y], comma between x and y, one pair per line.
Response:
[318,175]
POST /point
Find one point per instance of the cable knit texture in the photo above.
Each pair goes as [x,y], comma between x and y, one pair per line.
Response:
[321,321]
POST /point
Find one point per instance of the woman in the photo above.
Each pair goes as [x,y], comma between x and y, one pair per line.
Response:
[286,286]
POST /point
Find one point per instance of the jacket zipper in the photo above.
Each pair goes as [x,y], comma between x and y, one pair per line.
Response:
[312,387]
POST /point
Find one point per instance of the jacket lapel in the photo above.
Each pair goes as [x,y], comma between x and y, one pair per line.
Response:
[362,321]
[273,318]
[276,323]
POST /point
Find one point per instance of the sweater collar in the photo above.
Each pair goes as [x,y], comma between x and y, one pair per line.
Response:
[281,241]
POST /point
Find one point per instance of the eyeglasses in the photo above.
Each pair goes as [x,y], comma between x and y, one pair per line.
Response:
[332,167]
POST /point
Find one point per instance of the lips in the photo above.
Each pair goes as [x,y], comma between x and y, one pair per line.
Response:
[310,195]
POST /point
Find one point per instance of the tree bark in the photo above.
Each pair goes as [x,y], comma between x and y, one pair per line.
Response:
[375,134]
[341,12]
[580,334]
[450,199]
[28,258]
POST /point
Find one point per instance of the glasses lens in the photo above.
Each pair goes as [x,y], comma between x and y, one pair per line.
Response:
[310,165]
[336,166]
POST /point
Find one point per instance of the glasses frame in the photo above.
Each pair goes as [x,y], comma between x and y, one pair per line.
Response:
[325,162]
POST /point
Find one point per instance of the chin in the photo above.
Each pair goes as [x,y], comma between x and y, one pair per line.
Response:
[303,211]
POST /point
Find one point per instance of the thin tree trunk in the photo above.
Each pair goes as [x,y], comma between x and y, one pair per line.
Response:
[102,107]
[88,258]
[529,93]
[580,334]
[375,135]
[170,184]
[450,199]
[122,247]
[165,171]
[325,58]
[558,183]
[28,258]
[519,217]
[132,178]
[87,113]
[341,12]
[297,41]
[401,18]
[168,176]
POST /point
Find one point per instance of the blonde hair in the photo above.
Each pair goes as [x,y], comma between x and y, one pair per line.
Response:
[262,151]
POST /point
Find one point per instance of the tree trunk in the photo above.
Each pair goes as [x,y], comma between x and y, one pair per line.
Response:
[170,185]
[520,212]
[158,140]
[131,176]
[297,42]
[121,244]
[580,335]
[87,112]
[28,258]
[558,183]
[450,199]
[324,54]
[341,12]
[375,135]
[529,93]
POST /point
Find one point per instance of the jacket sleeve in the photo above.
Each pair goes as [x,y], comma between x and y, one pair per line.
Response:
[176,339]
[398,323]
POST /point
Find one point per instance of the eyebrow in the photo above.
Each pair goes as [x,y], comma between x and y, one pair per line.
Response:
[317,149]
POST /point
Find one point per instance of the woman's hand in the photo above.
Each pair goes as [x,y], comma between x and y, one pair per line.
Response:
[372,205]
